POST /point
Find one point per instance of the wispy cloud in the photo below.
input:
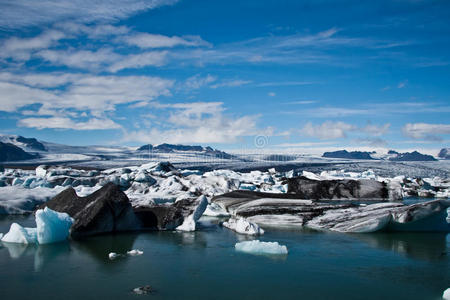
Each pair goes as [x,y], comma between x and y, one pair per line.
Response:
[147,40]
[426,131]
[67,123]
[24,13]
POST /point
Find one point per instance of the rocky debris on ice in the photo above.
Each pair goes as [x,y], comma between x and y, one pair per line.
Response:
[258,247]
[306,188]
[243,226]
[283,210]
[51,227]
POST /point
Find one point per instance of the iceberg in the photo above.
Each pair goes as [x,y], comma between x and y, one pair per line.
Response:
[113,255]
[51,227]
[215,210]
[258,247]
[190,222]
[20,235]
[135,252]
[243,226]
[446,295]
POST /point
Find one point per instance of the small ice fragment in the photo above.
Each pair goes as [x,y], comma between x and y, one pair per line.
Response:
[1,236]
[258,247]
[242,226]
[143,290]
[446,295]
[20,235]
[113,255]
[135,252]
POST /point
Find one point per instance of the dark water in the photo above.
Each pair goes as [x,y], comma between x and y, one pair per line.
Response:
[204,265]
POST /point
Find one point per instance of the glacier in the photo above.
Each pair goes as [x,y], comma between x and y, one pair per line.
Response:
[258,247]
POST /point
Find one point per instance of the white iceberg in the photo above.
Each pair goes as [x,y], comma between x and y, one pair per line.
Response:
[446,295]
[1,236]
[135,252]
[20,235]
[258,247]
[190,222]
[242,226]
[51,227]
[113,255]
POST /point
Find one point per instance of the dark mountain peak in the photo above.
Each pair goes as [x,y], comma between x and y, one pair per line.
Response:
[10,152]
[413,156]
[444,153]
[348,155]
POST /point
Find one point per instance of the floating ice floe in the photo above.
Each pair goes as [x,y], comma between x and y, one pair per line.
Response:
[51,227]
[242,226]
[113,255]
[446,294]
[258,247]
[135,252]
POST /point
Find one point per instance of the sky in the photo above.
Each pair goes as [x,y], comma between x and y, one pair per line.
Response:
[301,76]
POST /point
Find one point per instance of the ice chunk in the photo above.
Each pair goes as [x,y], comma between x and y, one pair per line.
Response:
[215,210]
[258,247]
[41,171]
[190,221]
[52,226]
[135,252]
[1,236]
[243,226]
[113,255]
[20,235]
[446,295]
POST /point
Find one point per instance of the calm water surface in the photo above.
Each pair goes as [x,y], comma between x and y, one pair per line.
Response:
[204,265]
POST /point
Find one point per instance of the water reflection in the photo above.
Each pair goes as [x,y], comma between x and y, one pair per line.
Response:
[423,246]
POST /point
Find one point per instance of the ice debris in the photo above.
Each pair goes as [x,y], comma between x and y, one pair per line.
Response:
[190,223]
[446,295]
[135,252]
[243,226]
[51,227]
[143,290]
[113,255]
[258,247]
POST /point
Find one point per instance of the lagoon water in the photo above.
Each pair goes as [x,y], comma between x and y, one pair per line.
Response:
[205,265]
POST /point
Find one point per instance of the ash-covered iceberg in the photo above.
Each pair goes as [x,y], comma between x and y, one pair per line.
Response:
[258,247]
[51,227]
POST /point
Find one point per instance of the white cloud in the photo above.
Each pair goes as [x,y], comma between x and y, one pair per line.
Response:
[21,48]
[81,92]
[80,59]
[155,58]
[230,83]
[23,13]
[197,81]
[272,94]
[198,122]
[426,131]
[67,123]
[148,40]
[402,84]
[327,130]
[375,130]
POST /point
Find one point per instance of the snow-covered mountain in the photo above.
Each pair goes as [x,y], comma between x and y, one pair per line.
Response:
[390,156]
[171,148]
[26,144]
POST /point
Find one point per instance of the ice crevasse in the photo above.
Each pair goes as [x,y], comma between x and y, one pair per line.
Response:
[51,227]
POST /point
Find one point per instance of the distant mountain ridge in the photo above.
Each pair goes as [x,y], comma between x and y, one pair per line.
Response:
[348,155]
[392,155]
[10,152]
[171,148]
[26,144]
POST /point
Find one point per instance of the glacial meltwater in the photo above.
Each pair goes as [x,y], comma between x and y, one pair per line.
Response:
[205,265]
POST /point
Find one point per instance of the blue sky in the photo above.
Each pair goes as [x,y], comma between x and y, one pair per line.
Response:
[297,75]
